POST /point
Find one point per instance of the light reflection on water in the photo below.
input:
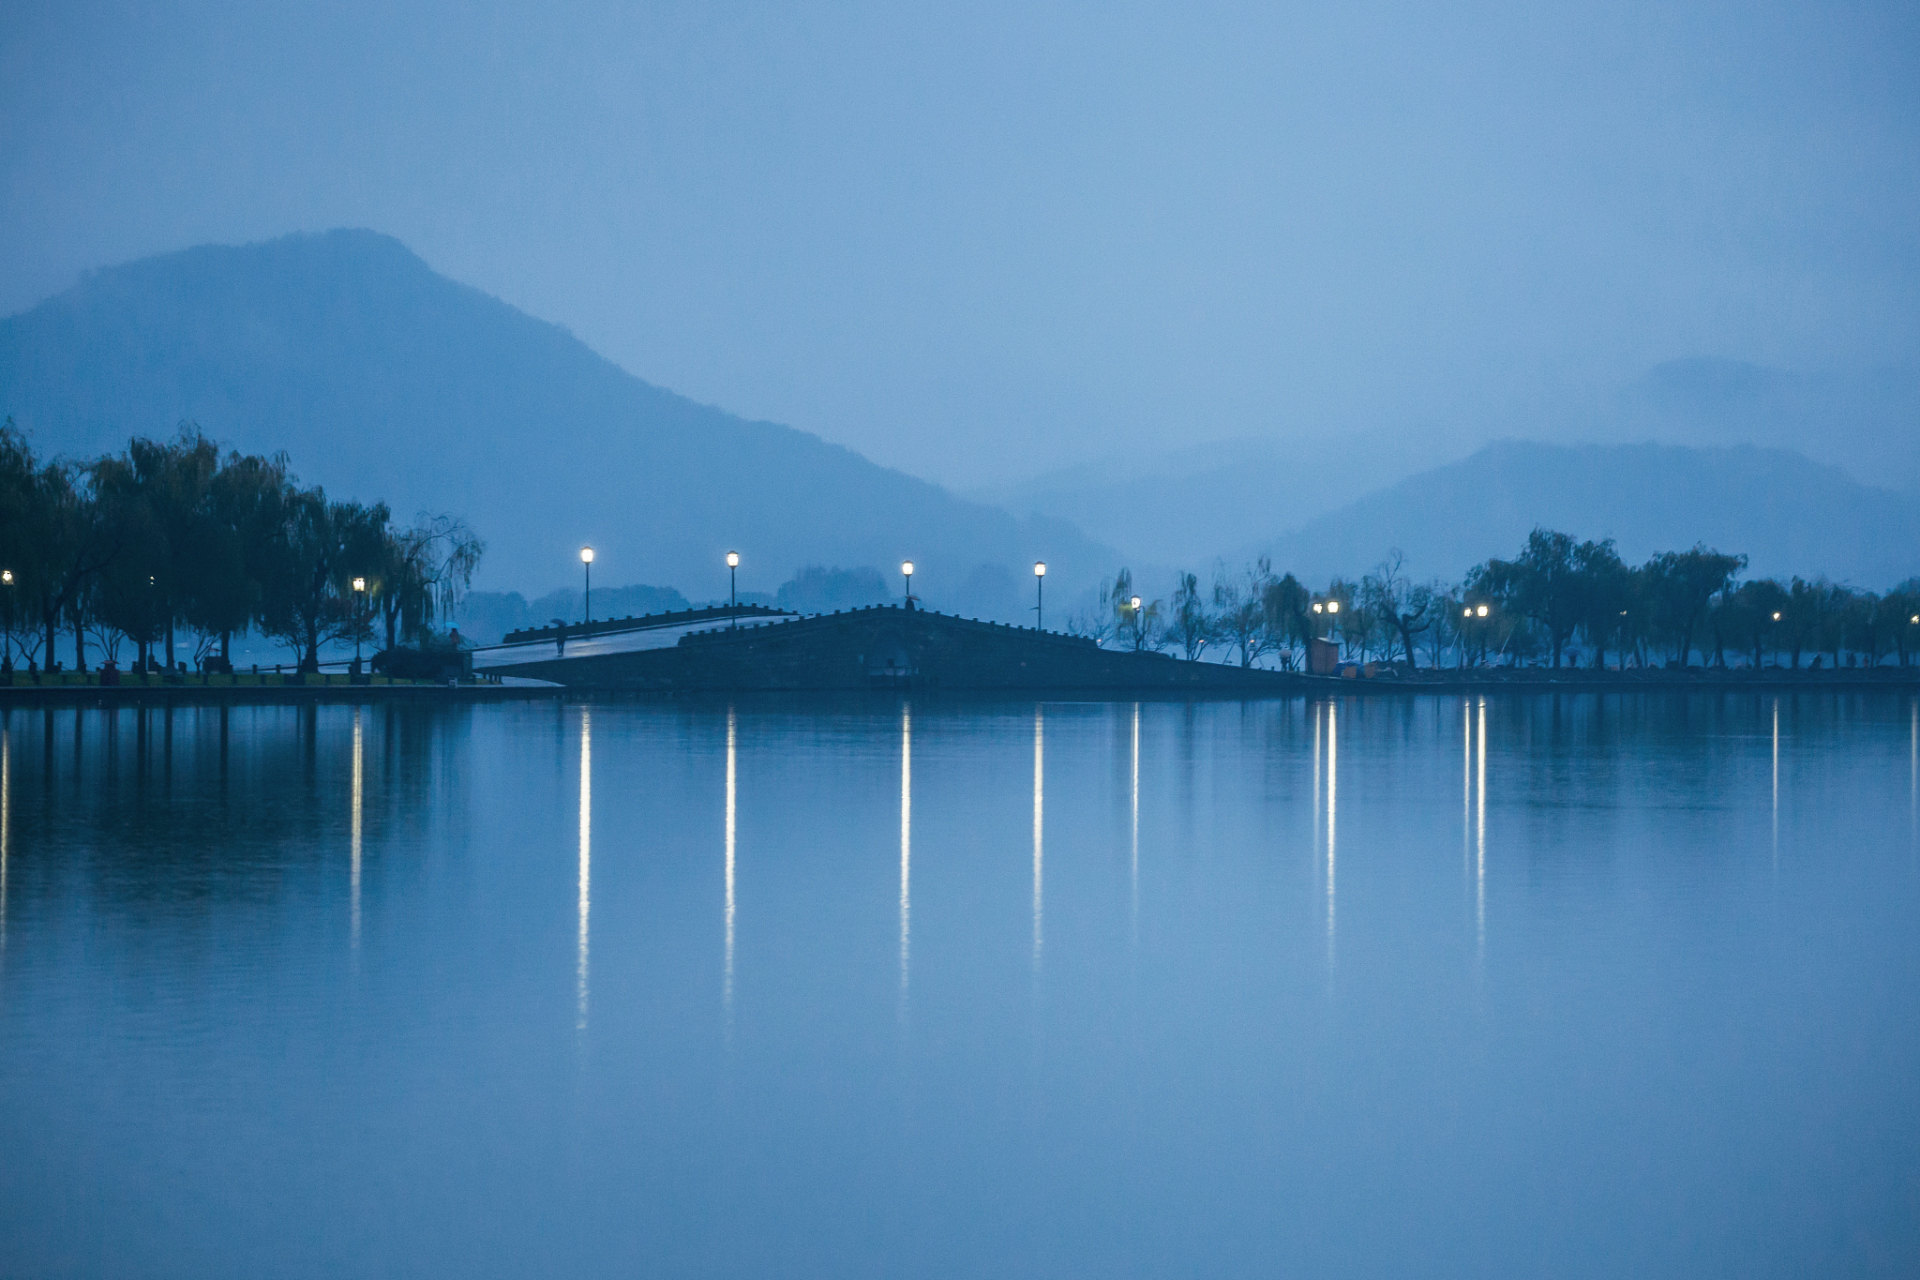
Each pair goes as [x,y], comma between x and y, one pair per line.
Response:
[586,861]
[906,845]
[303,991]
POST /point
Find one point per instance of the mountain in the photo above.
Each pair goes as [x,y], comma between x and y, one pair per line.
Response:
[1787,514]
[1182,506]
[1865,421]
[384,380]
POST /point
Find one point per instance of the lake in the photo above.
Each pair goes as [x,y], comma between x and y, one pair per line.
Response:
[1578,985]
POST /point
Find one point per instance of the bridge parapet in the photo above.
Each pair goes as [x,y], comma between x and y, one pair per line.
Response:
[643,622]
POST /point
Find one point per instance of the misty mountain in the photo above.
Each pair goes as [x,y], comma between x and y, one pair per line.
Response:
[1866,422]
[1787,514]
[1184,505]
[384,380]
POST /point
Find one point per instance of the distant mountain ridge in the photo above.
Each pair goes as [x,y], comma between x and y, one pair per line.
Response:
[1788,514]
[385,380]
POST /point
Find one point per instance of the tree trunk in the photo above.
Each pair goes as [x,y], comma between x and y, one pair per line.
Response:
[169,644]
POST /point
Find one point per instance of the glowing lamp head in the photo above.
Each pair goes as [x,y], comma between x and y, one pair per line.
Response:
[733,559]
[359,584]
[1915,619]
[1776,615]
[1333,606]
[1481,611]
[586,555]
[1136,604]
[1466,613]
[1039,568]
[906,567]
[6,577]
[1318,607]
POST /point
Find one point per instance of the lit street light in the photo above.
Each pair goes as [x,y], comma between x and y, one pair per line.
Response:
[906,570]
[586,559]
[6,580]
[733,593]
[1137,634]
[359,615]
[1482,611]
[1039,595]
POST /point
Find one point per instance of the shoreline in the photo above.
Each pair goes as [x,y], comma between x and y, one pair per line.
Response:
[1280,685]
[189,691]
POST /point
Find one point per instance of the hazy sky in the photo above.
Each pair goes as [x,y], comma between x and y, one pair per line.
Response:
[977,240]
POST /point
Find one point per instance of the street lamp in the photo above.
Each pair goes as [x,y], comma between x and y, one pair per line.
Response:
[733,593]
[906,570]
[586,560]
[1039,595]
[359,589]
[1481,611]
[1136,622]
[6,580]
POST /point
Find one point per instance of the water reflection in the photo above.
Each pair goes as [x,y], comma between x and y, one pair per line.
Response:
[586,864]
[1039,802]
[1466,793]
[1776,784]
[726,993]
[1480,833]
[354,891]
[1135,863]
[1333,810]
[189,943]
[6,815]
[906,839]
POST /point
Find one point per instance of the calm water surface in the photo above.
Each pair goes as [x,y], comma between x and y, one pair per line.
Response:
[1530,987]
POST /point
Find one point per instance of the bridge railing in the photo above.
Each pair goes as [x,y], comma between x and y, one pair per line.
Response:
[641,622]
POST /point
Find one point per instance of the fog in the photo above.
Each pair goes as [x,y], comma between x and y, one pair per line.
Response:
[981,242]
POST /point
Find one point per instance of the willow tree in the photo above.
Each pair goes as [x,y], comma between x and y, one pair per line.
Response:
[424,574]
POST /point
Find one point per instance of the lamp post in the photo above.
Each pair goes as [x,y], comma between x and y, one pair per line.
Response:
[906,571]
[1137,645]
[586,561]
[733,592]
[1327,608]
[6,580]
[1039,595]
[359,617]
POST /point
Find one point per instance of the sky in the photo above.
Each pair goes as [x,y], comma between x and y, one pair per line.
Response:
[980,241]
